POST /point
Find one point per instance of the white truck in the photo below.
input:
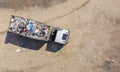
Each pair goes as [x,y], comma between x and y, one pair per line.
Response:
[37,30]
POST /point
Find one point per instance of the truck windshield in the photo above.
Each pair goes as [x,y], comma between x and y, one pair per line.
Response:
[64,36]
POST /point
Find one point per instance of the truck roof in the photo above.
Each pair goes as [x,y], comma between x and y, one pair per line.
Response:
[29,28]
[62,36]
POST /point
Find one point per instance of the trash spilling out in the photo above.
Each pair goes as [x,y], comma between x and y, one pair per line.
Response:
[18,50]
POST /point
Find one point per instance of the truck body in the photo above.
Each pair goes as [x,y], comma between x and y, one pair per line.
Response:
[37,30]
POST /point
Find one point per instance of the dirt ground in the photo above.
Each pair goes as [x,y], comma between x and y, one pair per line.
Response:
[94,44]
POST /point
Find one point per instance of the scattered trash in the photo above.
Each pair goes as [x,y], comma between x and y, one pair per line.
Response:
[18,50]
[113,61]
[23,49]
[110,62]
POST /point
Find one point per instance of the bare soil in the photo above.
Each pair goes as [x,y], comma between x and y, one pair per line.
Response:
[21,4]
[94,44]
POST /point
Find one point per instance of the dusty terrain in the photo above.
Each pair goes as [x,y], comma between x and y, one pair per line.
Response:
[94,44]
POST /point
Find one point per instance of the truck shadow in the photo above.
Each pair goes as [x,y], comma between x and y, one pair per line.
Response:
[54,47]
[32,44]
[24,42]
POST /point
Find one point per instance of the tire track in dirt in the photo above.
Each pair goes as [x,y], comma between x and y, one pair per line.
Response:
[3,32]
[72,11]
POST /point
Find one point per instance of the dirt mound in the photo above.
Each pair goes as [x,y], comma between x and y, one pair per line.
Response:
[20,4]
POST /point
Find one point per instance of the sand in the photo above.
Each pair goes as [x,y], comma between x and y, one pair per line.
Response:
[94,43]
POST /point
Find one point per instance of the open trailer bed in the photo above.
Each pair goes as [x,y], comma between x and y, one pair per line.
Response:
[29,28]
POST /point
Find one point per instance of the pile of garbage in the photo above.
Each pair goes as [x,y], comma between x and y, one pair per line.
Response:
[28,27]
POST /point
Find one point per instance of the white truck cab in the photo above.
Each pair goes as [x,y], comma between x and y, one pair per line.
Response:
[62,36]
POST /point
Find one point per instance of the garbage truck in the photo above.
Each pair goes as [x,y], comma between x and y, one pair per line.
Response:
[36,30]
